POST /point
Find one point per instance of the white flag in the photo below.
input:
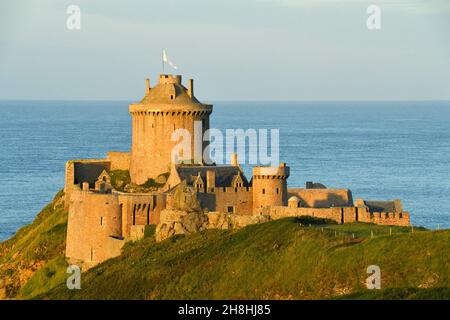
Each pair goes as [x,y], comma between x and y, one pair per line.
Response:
[166,60]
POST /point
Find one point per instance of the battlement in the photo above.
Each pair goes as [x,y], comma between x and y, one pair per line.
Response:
[386,218]
[265,172]
[169,79]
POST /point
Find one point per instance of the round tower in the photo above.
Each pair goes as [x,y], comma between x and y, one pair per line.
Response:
[165,108]
[269,187]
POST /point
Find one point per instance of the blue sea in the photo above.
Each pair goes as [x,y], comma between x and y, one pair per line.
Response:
[380,150]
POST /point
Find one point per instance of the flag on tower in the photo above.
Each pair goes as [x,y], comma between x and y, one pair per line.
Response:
[166,60]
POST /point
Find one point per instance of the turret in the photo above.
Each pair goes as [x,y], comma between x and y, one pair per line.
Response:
[269,187]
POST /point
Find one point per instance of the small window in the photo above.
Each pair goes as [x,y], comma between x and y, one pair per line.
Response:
[278,191]
[263,191]
[230,209]
[101,221]
[171,97]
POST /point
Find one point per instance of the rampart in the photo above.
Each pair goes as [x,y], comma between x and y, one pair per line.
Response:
[119,160]
[341,215]
[322,198]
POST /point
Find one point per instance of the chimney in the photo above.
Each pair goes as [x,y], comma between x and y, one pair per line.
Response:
[85,186]
[191,87]
[147,86]
[210,179]
[234,160]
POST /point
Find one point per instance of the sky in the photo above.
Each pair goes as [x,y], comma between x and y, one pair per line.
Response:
[234,49]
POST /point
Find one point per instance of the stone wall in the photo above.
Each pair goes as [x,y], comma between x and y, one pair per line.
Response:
[228,200]
[386,218]
[322,198]
[84,170]
[94,228]
[342,215]
[119,160]
[152,145]
[336,214]
[140,209]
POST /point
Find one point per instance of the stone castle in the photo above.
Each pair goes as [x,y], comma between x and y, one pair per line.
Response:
[103,214]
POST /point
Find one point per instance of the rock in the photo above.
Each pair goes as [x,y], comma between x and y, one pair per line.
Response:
[173,221]
[241,221]
[161,179]
[185,198]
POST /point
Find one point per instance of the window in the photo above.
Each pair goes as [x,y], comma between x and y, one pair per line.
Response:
[230,209]
[101,221]
[278,191]
[263,191]
[171,97]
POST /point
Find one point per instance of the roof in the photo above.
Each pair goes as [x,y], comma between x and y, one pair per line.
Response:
[224,174]
[89,172]
[170,94]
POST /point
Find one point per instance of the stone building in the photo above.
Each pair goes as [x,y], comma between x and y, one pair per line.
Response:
[102,217]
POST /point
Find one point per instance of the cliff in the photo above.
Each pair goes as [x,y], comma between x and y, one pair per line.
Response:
[32,261]
[292,258]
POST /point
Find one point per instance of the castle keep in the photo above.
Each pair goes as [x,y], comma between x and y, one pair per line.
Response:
[111,200]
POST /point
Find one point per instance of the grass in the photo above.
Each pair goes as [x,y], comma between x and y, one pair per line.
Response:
[119,179]
[283,259]
[292,258]
[401,294]
[34,247]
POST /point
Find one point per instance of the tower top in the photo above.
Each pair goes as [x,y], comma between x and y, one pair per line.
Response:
[169,79]
[170,94]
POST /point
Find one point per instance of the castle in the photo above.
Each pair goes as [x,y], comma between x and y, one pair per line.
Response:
[103,216]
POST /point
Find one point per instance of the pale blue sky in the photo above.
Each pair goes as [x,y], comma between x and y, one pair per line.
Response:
[234,49]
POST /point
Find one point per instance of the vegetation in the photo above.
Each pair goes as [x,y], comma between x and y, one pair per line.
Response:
[151,184]
[400,294]
[119,179]
[293,258]
[32,260]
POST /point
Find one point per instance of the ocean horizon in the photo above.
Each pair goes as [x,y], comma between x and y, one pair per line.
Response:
[377,149]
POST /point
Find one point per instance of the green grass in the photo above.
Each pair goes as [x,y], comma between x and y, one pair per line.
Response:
[400,294]
[49,276]
[292,258]
[283,259]
[33,247]
[119,179]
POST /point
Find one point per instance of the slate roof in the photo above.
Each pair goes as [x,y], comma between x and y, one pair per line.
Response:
[224,174]
[89,172]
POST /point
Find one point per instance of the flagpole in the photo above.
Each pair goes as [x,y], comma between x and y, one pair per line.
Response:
[162,60]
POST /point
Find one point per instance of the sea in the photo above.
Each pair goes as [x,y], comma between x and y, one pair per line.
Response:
[379,150]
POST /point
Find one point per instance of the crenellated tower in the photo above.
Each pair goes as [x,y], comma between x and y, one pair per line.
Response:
[269,187]
[165,108]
